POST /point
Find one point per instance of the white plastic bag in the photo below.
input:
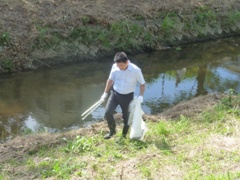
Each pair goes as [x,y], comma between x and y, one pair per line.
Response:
[138,126]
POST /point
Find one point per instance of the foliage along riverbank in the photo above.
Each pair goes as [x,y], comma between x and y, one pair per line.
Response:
[35,34]
[203,145]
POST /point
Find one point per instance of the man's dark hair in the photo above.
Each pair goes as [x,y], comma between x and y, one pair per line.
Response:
[120,57]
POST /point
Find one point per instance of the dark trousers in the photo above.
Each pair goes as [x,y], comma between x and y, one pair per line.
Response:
[114,100]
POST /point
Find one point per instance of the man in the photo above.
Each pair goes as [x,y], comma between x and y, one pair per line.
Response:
[122,82]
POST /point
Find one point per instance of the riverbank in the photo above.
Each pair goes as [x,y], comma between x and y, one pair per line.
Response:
[198,139]
[45,33]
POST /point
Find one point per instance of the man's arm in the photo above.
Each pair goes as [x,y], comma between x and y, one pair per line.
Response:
[108,85]
[107,89]
[142,89]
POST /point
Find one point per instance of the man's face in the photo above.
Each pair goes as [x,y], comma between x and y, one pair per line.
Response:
[122,66]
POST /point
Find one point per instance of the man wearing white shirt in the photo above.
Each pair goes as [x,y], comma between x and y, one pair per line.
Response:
[122,81]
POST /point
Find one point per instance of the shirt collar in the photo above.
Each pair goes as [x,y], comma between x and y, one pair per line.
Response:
[129,65]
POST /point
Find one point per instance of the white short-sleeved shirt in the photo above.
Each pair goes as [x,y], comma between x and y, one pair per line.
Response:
[125,81]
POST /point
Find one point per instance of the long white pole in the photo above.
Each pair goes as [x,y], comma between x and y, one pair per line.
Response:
[93,106]
[91,109]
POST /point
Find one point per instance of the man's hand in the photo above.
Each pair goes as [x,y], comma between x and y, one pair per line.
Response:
[104,96]
[140,99]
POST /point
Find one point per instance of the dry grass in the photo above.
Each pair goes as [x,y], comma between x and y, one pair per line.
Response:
[193,107]
[21,17]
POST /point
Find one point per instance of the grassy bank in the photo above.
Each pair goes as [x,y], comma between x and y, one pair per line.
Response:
[50,32]
[205,146]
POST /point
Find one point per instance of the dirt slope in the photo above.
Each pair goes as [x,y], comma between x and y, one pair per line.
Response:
[21,17]
[25,23]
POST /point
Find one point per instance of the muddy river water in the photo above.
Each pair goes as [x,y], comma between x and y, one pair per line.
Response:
[53,99]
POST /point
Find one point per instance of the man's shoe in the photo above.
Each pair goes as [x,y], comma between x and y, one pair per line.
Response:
[124,135]
[125,131]
[109,135]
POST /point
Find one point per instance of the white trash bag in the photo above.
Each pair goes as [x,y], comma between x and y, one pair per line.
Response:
[138,126]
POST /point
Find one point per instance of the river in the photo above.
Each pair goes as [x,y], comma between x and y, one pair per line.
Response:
[53,99]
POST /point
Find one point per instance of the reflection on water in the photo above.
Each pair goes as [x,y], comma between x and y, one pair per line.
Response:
[54,99]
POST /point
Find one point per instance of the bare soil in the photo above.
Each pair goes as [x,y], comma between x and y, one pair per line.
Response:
[20,146]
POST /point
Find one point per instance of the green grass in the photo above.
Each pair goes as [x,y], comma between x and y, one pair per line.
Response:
[4,38]
[171,28]
[205,147]
[7,64]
